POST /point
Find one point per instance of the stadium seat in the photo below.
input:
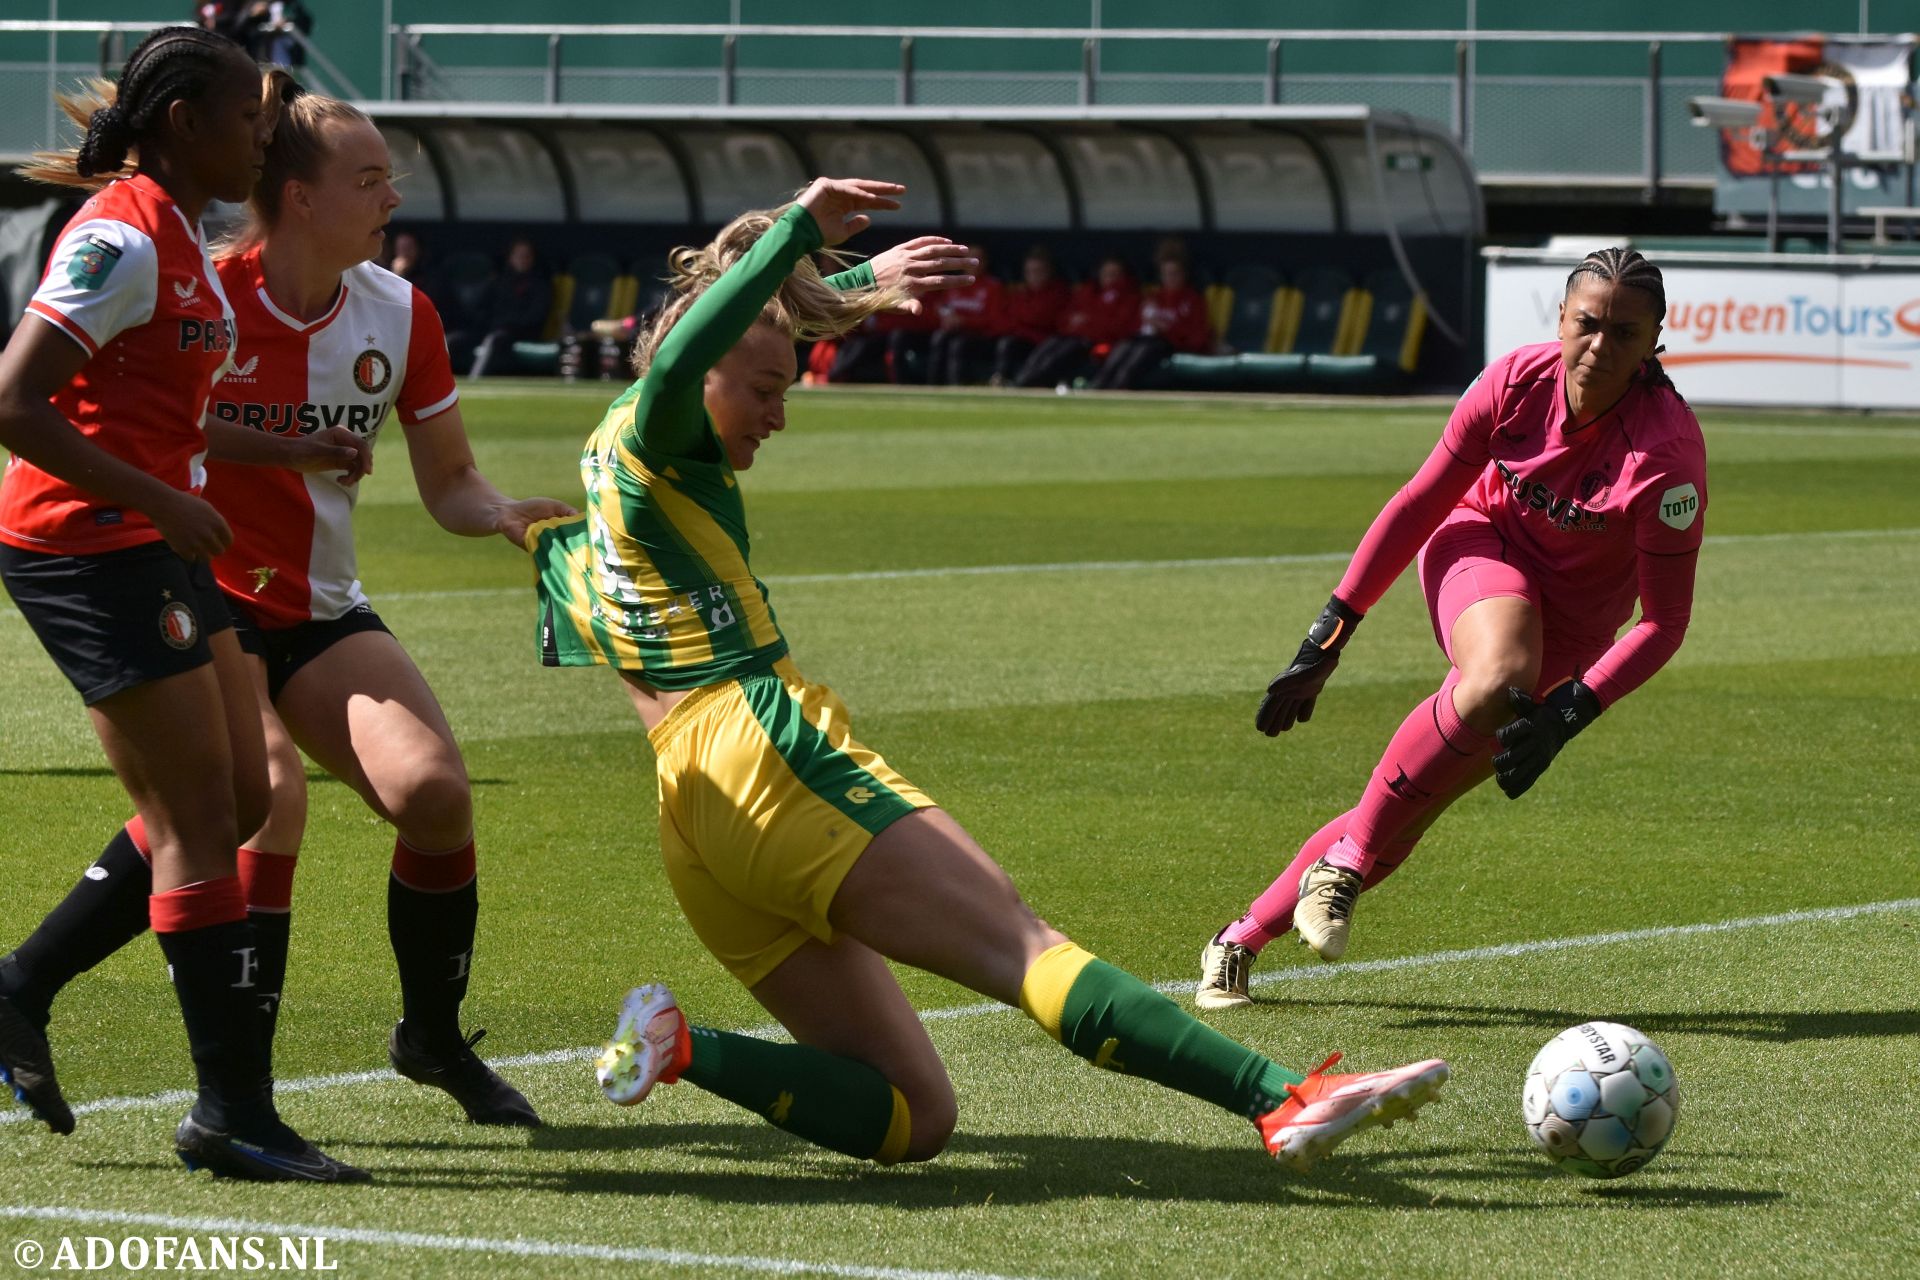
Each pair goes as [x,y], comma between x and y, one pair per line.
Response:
[585,292]
[1385,329]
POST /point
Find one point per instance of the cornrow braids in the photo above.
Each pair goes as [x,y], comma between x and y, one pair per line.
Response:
[171,64]
[1621,265]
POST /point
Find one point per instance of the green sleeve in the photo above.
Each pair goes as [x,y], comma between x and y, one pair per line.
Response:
[671,416]
[858,277]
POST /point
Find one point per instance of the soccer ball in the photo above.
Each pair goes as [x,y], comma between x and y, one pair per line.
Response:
[1600,1099]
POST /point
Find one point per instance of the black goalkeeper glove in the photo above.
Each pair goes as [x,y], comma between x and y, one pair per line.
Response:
[1290,696]
[1531,742]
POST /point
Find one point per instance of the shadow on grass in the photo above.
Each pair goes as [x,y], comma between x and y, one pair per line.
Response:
[758,1165]
[60,771]
[1779,1026]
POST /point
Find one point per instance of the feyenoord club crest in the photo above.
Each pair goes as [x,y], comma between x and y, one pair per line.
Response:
[372,371]
[178,627]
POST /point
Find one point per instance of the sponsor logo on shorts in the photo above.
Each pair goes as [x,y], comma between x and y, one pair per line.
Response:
[372,371]
[178,627]
[92,263]
[860,795]
[262,575]
[1679,506]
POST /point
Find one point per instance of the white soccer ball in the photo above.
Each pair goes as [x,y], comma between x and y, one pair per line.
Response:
[1600,1099]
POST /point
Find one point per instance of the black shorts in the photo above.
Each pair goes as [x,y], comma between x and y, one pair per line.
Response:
[287,649]
[117,619]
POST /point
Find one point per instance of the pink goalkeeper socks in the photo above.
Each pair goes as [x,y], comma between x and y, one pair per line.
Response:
[1431,755]
[1272,912]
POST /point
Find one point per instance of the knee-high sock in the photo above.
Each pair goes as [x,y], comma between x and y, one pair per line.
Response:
[433,904]
[1119,1023]
[1433,752]
[832,1102]
[266,881]
[102,913]
[203,931]
[1271,914]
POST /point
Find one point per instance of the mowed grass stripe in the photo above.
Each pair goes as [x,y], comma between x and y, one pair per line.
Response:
[522,1248]
[1169,986]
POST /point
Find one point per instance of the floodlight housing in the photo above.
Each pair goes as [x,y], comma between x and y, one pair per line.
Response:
[1808,91]
[1724,113]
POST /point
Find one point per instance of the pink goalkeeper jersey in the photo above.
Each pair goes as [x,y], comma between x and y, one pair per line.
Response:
[380,348]
[1580,508]
[1598,517]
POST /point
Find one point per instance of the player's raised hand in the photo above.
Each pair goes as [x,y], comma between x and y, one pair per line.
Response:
[839,205]
[1291,694]
[1530,742]
[923,265]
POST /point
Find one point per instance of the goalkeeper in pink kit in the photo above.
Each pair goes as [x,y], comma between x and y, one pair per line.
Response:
[1570,481]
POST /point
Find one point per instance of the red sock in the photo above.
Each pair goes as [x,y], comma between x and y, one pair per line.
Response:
[267,879]
[199,905]
[137,832]
[1431,755]
[441,872]
[1271,914]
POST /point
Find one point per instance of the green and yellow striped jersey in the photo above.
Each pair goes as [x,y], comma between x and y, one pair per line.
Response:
[653,577]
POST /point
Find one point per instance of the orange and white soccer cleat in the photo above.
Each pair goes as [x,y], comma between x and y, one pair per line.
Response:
[1323,1111]
[651,1045]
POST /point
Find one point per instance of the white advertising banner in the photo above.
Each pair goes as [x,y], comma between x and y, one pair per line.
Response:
[1752,335]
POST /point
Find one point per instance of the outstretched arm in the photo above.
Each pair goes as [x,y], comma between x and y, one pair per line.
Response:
[922,265]
[671,415]
[1396,535]
[460,499]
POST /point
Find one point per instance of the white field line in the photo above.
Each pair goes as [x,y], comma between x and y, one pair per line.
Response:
[1117,566]
[476,1244]
[1292,974]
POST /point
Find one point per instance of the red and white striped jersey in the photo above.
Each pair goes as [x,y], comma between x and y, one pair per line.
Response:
[379,349]
[130,282]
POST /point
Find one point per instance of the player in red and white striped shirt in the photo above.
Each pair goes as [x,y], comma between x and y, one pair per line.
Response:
[105,550]
[328,339]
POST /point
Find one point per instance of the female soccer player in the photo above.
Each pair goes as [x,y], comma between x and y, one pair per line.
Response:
[800,857]
[327,336]
[1570,480]
[106,550]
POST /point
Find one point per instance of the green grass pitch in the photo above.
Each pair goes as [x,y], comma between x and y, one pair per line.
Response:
[1057,616]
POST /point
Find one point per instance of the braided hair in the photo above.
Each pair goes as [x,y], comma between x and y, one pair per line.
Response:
[171,64]
[1620,265]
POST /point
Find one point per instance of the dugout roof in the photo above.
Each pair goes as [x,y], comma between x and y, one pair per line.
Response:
[1348,170]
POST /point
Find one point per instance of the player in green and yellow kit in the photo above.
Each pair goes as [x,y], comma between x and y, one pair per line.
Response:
[799,856]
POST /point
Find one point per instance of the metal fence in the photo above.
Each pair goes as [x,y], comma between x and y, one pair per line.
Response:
[1625,128]
[1628,128]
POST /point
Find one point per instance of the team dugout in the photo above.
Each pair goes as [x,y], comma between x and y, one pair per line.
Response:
[1337,243]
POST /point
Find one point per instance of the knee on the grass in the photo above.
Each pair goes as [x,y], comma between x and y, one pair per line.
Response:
[933,1113]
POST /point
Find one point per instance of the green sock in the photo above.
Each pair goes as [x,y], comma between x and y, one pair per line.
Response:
[1119,1023]
[833,1102]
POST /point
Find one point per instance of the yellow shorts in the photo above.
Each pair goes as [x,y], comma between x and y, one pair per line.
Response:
[766,802]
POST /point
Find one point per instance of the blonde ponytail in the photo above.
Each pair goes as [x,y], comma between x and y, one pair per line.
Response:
[806,308]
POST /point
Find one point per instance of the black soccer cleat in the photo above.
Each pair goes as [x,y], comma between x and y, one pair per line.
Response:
[26,1064]
[486,1098]
[280,1156]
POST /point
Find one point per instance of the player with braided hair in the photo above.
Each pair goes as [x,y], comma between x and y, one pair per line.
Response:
[105,547]
[802,859]
[1570,481]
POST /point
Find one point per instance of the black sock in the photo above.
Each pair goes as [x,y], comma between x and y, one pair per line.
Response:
[432,936]
[105,911]
[270,933]
[216,977]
